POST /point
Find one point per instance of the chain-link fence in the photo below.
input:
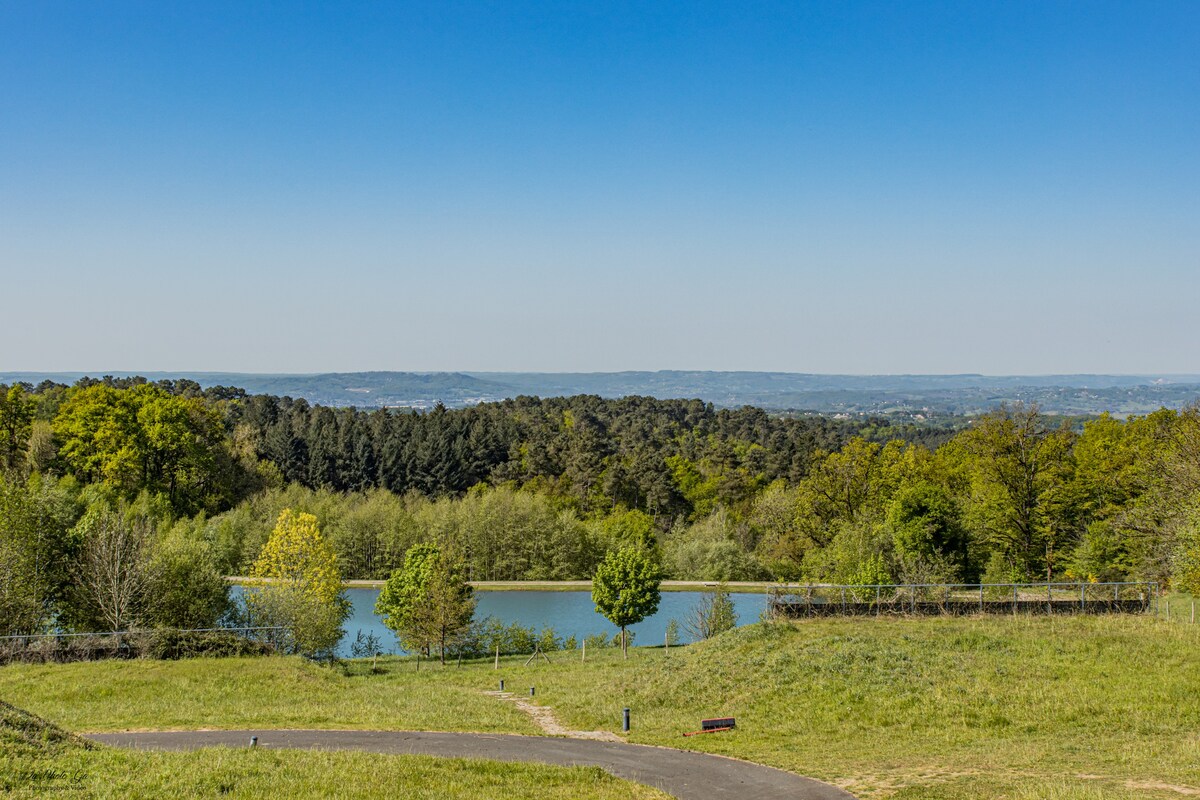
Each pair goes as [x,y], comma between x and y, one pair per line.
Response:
[823,600]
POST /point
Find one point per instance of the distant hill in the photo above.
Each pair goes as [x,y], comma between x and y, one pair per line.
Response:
[362,389]
[893,395]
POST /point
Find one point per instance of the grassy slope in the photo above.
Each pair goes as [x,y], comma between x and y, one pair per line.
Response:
[37,759]
[936,708]
[255,692]
[1062,709]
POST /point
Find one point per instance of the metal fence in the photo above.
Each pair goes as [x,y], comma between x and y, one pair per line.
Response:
[824,600]
[147,643]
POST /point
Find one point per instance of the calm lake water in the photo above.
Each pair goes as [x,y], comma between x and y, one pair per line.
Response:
[569,613]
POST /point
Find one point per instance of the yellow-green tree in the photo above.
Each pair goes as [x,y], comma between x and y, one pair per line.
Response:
[144,438]
[296,584]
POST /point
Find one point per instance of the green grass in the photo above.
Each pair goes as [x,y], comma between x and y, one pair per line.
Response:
[1027,708]
[107,772]
[937,708]
[37,759]
[1178,608]
[255,692]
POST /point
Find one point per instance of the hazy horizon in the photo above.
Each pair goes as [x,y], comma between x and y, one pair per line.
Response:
[157,372]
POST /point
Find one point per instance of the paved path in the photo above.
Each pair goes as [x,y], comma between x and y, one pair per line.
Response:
[681,773]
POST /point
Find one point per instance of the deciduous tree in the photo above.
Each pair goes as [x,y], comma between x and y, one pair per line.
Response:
[114,571]
[625,589]
[16,421]
[428,601]
[297,585]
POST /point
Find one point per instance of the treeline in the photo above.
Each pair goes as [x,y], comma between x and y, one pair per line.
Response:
[191,482]
[209,449]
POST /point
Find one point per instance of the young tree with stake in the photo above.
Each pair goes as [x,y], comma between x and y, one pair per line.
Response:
[625,589]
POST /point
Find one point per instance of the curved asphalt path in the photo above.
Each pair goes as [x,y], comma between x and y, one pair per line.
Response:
[681,773]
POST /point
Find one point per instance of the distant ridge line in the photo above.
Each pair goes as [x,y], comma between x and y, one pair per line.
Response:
[914,396]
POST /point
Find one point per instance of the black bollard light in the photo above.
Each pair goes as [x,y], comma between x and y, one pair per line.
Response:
[531,691]
[254,741]
[625,721]
[502,684]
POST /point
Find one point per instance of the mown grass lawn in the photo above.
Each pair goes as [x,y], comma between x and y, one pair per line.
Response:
[38,759]
[1065,708]
[213,772]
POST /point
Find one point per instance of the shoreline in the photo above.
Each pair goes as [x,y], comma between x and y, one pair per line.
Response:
[739,587]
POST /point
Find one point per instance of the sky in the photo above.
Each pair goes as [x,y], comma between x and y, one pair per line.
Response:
[842,187]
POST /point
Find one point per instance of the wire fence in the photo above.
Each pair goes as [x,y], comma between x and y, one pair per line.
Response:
[791,601]
[165,643]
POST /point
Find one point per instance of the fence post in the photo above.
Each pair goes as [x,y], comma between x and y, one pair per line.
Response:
[1014,599]
[1049,599]
[1081,606]
[879,589]
[843,601]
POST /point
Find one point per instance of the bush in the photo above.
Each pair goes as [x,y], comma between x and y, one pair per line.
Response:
[163,643]
[187,590]
[484,635]
[712,616]
[167,644]
[600,641]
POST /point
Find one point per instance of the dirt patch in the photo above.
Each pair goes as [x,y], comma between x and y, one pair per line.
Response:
[1150,786]
[1159,786]
[543,717]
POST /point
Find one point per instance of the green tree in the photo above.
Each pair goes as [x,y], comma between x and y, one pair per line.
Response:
[625,589]
[114,572]
[428,601]
[926,532]
[713,615]
[297,585]
[146,439]
[1020,501]
[1187,555]
[187,588]
[35,552]
[16,422]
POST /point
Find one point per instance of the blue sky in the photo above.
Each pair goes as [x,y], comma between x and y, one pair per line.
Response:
[820,187]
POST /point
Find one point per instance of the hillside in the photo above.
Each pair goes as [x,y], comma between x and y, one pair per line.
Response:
[22,733]
[1062,708]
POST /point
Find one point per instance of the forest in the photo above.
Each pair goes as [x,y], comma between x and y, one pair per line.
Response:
[182,485]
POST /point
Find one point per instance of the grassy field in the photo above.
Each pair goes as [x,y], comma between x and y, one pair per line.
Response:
[1065,708]
[36,760]
[256,692]
[1180,608]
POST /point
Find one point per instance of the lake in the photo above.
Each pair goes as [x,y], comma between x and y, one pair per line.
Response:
[569,613]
